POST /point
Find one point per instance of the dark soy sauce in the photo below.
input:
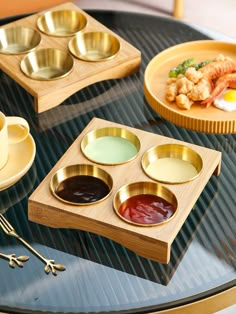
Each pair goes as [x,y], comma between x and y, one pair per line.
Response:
[82,189]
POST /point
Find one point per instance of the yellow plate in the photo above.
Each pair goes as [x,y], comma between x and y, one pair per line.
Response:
[21,157]
[210,120]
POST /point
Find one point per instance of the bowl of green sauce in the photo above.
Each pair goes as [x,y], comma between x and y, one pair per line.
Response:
[110,146]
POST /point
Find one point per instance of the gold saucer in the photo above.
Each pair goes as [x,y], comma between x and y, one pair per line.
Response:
[94,46]
[47,64]
[21,157]
[61,23]
[172,163]
[18,40]
[160,208]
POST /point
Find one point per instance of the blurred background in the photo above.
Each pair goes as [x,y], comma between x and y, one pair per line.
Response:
[218,16]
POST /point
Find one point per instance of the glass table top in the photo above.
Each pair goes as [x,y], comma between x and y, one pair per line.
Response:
[101,275]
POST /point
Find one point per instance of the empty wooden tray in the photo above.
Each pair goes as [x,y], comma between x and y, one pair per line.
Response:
[48,94]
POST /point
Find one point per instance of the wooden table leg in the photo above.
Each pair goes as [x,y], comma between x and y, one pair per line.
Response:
[178,11]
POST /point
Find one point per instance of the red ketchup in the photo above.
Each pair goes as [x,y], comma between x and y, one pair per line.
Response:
[146,209]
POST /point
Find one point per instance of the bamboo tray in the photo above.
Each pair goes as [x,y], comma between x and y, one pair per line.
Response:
[150,242]
[48,94]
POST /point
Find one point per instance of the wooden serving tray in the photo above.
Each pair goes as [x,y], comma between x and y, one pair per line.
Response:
[151,242]
[48,94]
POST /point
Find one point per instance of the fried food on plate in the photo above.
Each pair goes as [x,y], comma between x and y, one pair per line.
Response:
[201,83]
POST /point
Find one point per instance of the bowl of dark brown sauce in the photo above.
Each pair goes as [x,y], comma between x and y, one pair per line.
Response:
[145,203]
[81,184]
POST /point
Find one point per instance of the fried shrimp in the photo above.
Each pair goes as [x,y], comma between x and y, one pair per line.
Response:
[202,85]
[216,69]
[223,82]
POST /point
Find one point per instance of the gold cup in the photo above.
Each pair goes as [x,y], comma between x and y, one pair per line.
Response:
[119,146]
[18,39]
[47,64]
[172,163]
[142,188]
[94,46]
[61,23]
[80,171]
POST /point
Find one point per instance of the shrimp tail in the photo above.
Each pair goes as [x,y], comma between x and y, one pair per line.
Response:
[223,82]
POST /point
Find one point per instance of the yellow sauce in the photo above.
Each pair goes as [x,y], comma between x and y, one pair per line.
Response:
[172,170]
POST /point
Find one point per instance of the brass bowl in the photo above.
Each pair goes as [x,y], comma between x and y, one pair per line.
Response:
[94,46]
[147,188]
[85,180]
[172,163]
[47,64]
[110,146]
[18,40]
[61,23]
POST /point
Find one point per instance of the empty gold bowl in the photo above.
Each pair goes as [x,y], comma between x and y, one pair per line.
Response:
[81,184]
[18,40]
[94,46]
[61,23]
[47,64]
[172,163]
[110,145]
[145,203]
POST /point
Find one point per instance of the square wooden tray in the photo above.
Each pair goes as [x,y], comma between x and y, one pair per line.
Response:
[48,94]
[150,242]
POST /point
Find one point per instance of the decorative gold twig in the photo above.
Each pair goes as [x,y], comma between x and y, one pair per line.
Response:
[14,260]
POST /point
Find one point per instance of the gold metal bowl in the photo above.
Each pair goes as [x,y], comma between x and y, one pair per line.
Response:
[61,23]
[18,40]
[146,194]
[47,64]
[81,184]
[94,46]
[172,163]
[110,146]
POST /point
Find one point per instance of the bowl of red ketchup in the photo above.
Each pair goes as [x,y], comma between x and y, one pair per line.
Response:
[145,203]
